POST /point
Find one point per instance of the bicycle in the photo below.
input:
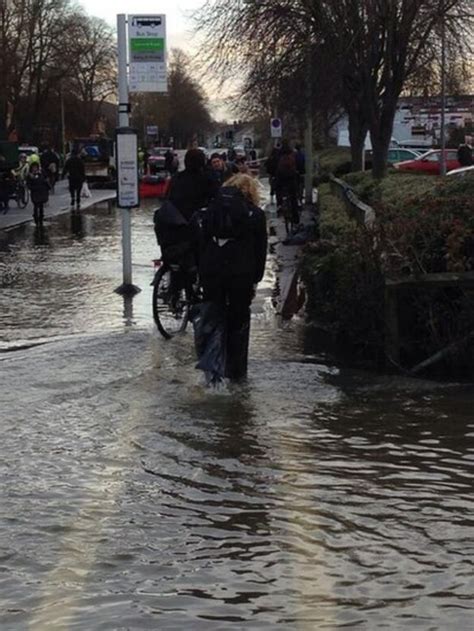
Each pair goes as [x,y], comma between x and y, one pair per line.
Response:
[19,193]
[174,293]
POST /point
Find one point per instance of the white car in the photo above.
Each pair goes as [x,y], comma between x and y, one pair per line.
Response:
[28,150]
[463,171]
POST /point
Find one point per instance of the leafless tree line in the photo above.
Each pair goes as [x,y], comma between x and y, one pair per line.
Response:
[50,50]
[181,114]
[362,54]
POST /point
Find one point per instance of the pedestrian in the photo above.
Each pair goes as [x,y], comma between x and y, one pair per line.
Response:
[271,167]
[39,188]
[171,162]
[287,179]
[219,171]
[231,264]
[50,165]
[75,171]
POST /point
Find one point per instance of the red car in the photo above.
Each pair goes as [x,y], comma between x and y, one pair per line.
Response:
[429,162]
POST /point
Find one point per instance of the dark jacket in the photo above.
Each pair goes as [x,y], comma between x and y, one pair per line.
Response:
[39,188]
[74,169]
[272,162]
[189,191]
[465,156]
[49,157]
[244,257]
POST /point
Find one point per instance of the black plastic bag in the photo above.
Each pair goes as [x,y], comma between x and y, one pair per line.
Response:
[210,338]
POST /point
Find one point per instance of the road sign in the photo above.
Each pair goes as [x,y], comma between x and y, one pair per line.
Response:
[127,168]
[152,130]
[147,53]
[275,127]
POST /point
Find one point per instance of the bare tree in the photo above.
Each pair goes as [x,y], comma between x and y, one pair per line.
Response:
[94,77]
[375,46]
[48,46]
[182,113]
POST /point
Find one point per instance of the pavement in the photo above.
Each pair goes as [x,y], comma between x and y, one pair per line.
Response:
[59,203]
[290,298]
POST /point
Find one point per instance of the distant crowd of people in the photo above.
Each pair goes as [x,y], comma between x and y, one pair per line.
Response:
[39,173]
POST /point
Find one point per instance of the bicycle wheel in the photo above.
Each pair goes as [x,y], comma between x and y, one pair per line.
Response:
[170,302]
[22,196]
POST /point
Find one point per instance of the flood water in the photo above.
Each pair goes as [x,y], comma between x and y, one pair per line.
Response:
[313,497]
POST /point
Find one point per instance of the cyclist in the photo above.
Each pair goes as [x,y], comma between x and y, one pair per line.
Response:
[176,230]
[232,262]
[287,179]
[21,172]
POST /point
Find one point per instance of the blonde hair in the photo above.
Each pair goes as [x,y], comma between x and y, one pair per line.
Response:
[247,184]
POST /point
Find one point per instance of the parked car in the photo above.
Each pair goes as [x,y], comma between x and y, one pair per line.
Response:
[429,162]
[462,172]
[156,159]
[399,155]
[239,151]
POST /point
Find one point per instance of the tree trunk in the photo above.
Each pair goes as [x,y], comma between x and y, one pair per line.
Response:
[3,119]
[380,136]
[357,135]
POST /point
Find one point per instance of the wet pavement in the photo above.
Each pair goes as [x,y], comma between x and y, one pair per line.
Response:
[59,202]
[313,497]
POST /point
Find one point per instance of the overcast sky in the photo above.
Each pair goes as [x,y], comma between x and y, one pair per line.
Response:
[178,24]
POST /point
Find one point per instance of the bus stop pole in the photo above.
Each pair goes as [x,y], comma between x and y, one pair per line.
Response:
[123,115]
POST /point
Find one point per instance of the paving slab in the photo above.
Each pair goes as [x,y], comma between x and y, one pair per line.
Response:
[58,203]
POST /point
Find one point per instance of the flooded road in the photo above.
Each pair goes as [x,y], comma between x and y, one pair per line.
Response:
[313,497]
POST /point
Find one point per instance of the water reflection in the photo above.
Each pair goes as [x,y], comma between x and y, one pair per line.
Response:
[128,310]
[41,236]
[77,225]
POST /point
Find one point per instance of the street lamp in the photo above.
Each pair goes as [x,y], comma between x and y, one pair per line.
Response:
[443,166]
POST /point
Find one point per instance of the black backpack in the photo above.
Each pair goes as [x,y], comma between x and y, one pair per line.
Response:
[228,215]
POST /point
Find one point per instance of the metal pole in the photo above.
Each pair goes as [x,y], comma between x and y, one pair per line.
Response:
[308,140]
[443,168]
[63,123]
[123,113]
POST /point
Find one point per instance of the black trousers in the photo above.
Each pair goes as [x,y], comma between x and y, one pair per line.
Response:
[288,186]
[234,295]
[75,188]
[38,212]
